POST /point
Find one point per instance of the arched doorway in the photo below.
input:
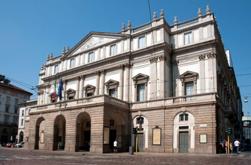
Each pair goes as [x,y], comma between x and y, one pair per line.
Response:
[140,123]
[83,136]
[38,130]
[21,136]
[184,134]
[59,133]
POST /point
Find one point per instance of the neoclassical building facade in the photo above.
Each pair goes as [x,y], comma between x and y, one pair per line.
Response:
[156,87]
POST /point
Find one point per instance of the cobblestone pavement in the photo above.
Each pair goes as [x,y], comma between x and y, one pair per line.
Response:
[15,156]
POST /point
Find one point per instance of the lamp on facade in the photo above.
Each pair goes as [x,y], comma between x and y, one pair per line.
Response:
[245,99]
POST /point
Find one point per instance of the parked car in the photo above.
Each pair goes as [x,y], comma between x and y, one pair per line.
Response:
[19,145]
[9,145]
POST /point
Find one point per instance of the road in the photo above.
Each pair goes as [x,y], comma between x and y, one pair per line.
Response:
[16,156]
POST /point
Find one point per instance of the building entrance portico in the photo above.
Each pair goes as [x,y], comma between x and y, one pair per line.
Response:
[59,133]
[83,132]
[39,130]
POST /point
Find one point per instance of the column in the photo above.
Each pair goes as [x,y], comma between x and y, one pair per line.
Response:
[78,87]
[97,84]
[81,87]
[121,83]
[102,81]
[126,83]
[202,75]
[160,77]
[153,78]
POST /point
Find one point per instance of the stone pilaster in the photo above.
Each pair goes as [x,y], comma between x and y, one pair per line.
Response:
[153,78]
[97,84]
[126,83]
[102,82]
[121,83]
[160,77]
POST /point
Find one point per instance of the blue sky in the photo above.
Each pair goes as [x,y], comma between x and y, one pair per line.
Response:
[31,29]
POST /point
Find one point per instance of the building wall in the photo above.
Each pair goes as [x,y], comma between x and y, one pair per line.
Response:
[166,58]
[204,123]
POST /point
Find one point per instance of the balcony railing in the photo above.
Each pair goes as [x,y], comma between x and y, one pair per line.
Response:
[83,102]
[175,101]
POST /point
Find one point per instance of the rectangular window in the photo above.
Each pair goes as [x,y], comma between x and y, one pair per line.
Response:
[141,92]
[7,107]
[113,92]
[113,50]
[7,99]
[22,112]
[22,122]
[188,88]
[91,57]
[16,105]
[6,119]
[72,62]
[187,38]
[7,104]
[56,69]
[142,42]
[89,94]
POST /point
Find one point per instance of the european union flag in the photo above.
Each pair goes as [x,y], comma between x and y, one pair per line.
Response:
[60,89]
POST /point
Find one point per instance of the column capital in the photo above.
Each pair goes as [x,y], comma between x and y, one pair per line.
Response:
[162,58]
[202,57]
[211,55]
[153,59]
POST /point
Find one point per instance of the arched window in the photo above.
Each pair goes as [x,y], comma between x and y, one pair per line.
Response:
[183,117]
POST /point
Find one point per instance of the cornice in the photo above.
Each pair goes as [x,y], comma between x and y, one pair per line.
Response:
[192,27]
[194,46]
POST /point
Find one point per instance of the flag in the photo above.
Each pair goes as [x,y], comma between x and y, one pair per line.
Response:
[60,89]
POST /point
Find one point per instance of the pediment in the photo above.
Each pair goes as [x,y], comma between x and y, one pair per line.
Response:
[92,40]
[189,74]
[140,76]
[88,86]
[111,82]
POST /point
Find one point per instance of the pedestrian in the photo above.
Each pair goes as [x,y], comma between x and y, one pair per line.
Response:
[115,146]
[230,147]
[226,146]
[237,145]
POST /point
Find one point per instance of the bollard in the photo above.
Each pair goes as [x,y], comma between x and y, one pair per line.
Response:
[131,150]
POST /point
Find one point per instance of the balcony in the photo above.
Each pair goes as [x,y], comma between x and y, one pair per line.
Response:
[175,101]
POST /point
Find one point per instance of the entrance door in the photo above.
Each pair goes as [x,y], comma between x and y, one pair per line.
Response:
[140,142]
[183,142]
[37,138]
[113,135]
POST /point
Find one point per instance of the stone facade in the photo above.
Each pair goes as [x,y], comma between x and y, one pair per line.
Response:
[155,87]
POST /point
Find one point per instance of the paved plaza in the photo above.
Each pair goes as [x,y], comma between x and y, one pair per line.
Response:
[14,156]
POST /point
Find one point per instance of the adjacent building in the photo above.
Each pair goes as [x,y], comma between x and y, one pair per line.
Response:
[24,110]
[10,97]
[157,87]
[246,129]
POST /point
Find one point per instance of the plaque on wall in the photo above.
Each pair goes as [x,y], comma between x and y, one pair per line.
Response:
[106,135]
[203,138]
[156,136]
